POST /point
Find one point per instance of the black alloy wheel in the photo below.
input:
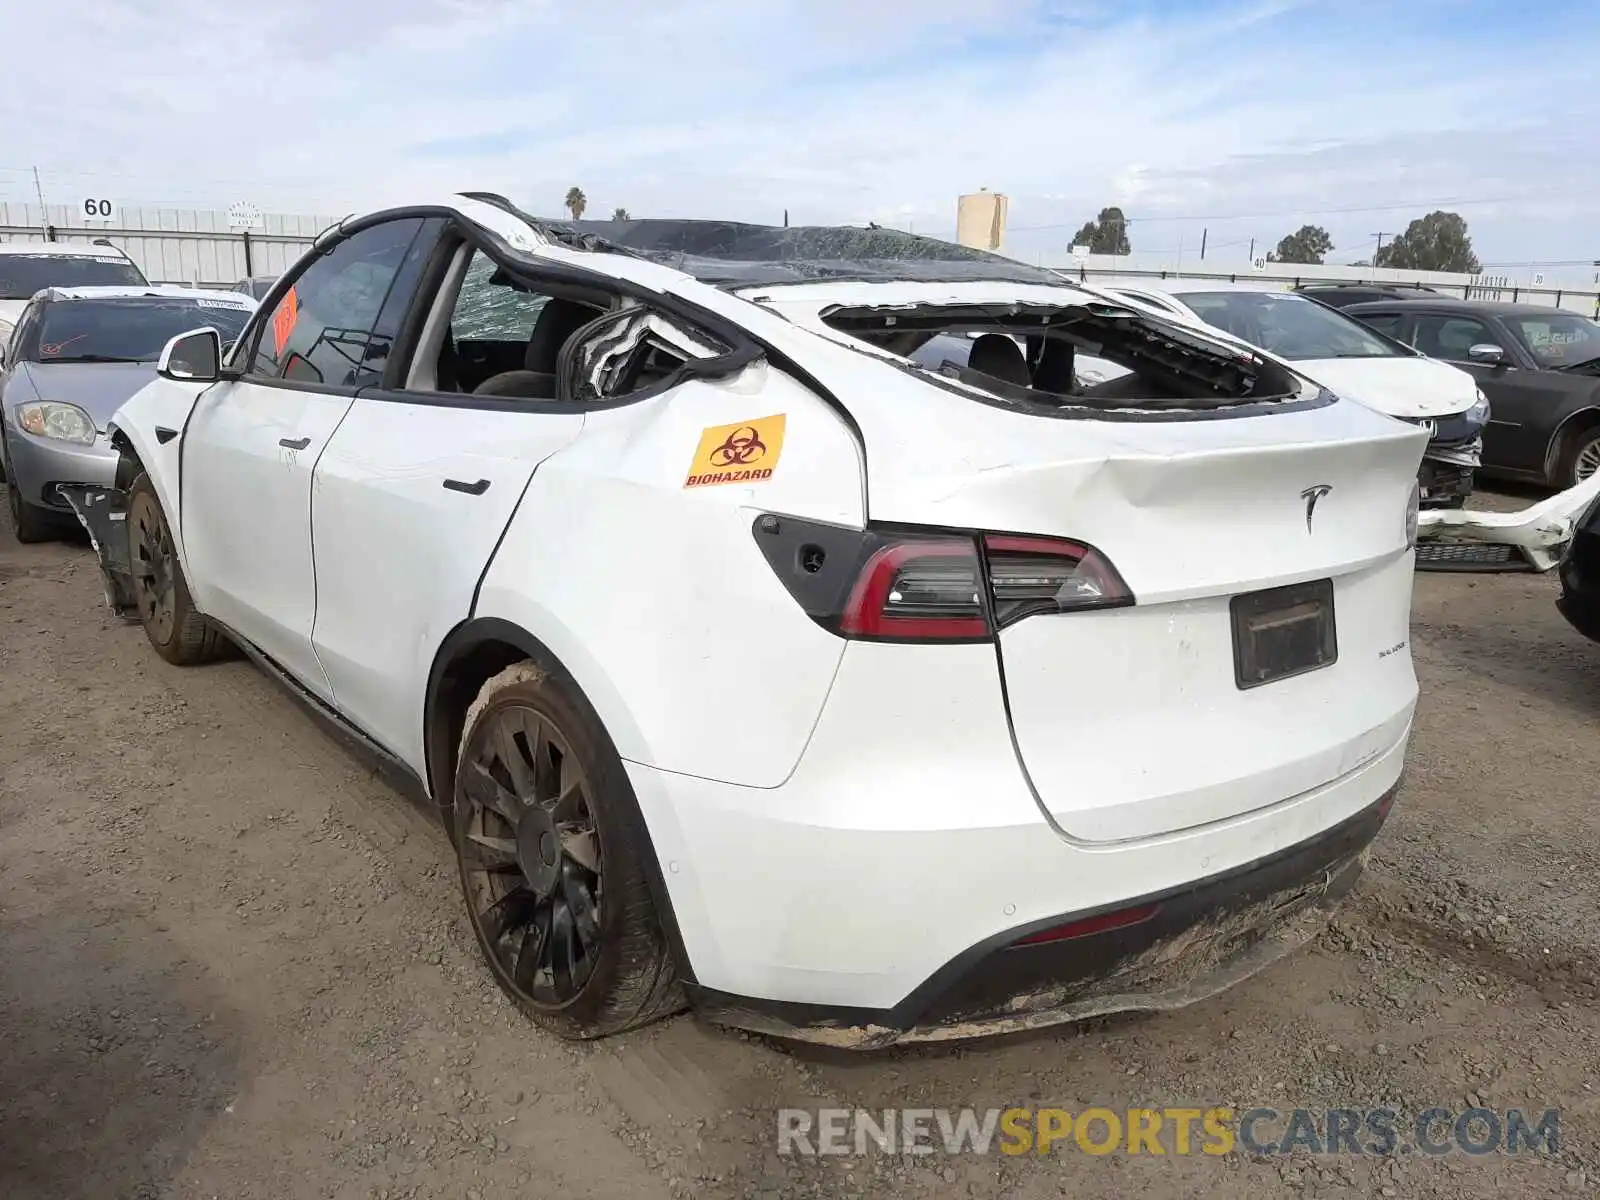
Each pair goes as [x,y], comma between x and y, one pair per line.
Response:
[556,860]
[530,856]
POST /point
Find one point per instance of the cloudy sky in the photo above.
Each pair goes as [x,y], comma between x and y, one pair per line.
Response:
[1244,118]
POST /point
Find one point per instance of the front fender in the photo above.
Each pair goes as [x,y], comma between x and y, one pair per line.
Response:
[151,424]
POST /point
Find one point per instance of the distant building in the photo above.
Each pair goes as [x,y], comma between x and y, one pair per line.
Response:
[981,220]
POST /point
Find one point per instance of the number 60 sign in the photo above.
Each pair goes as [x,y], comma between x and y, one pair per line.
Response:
[98,208]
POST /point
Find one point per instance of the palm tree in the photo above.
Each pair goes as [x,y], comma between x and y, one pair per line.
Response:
[620,214]
[576,202]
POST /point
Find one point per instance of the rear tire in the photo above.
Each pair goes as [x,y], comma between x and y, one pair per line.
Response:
[553,857]
[179,633]
[30,523]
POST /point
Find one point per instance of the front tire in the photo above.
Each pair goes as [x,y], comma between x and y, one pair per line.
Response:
[1580,458]
[29,522]
[179,633]
[553,858]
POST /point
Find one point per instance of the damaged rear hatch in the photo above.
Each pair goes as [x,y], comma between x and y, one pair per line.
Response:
[1208,477]
[1258,524]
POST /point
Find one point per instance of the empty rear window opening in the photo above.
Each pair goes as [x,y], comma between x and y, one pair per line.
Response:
[1024,355]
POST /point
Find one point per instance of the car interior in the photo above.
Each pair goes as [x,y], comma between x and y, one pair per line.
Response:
[491,335]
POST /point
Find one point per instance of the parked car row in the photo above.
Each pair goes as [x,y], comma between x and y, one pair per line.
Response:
[74,356]
[718,627]
[1539,367]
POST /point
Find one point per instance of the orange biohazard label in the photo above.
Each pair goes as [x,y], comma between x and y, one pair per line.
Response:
[743,453]
[283,321]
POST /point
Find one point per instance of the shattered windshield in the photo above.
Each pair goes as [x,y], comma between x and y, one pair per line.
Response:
[733,254]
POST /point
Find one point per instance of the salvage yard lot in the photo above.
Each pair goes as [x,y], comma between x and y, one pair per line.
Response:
[233,963]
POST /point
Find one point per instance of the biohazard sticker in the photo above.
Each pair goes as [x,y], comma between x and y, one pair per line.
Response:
[743,453]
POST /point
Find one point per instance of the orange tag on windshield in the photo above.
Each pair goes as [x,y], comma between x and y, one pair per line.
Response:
[283,321]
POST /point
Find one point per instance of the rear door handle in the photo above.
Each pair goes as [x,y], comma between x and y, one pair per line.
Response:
[471,489]
[294,443]
[165,435]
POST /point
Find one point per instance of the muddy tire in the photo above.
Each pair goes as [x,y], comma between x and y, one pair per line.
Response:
[29,522]
[175,628]
[554,861]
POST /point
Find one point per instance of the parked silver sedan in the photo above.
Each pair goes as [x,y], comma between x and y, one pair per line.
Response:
[74,356]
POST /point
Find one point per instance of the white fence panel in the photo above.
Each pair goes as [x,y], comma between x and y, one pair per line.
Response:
[174,245]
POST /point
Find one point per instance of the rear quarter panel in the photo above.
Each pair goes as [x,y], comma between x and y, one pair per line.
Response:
[654,595]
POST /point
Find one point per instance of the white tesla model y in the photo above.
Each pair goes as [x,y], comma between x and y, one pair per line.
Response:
[758,664]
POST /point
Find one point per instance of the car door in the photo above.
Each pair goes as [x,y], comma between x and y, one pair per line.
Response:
[1515,438]
[252,442]
[413,494]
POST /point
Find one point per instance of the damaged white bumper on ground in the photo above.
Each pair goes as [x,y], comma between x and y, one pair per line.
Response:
[1529,539]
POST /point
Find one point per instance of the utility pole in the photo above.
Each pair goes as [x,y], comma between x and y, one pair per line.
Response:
[1252,251]
[1379,235]
[1203,234]
[44,213]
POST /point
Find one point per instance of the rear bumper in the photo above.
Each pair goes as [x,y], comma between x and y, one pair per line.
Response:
[1197,940]
[908,839]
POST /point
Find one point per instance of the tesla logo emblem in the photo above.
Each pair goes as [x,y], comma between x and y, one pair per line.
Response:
[742,447]
[1311,495]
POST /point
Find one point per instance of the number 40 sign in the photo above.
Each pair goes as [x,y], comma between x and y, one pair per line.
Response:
[98,208]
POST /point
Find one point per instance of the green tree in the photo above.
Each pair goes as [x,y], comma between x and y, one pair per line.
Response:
[1436,242]
[620,214]
[1107,234]
[1308,244]
[576,202]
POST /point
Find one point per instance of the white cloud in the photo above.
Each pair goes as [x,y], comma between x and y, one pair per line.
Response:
[835,110]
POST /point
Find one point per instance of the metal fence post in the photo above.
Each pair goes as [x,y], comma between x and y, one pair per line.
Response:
[249,266]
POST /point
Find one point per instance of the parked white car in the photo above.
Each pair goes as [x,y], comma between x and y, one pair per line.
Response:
[754,665]
[1353,359]
[30,267]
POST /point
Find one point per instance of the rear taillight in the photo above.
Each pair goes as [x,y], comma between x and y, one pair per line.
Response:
[1030,575]
[882,585]
[918,590]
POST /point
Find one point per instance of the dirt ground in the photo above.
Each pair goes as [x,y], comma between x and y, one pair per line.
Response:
[234,964]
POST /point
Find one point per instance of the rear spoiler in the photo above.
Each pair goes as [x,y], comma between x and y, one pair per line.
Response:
[1530,539]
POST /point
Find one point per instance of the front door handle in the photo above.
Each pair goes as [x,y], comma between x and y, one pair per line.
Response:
[294,443]
[471,489]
